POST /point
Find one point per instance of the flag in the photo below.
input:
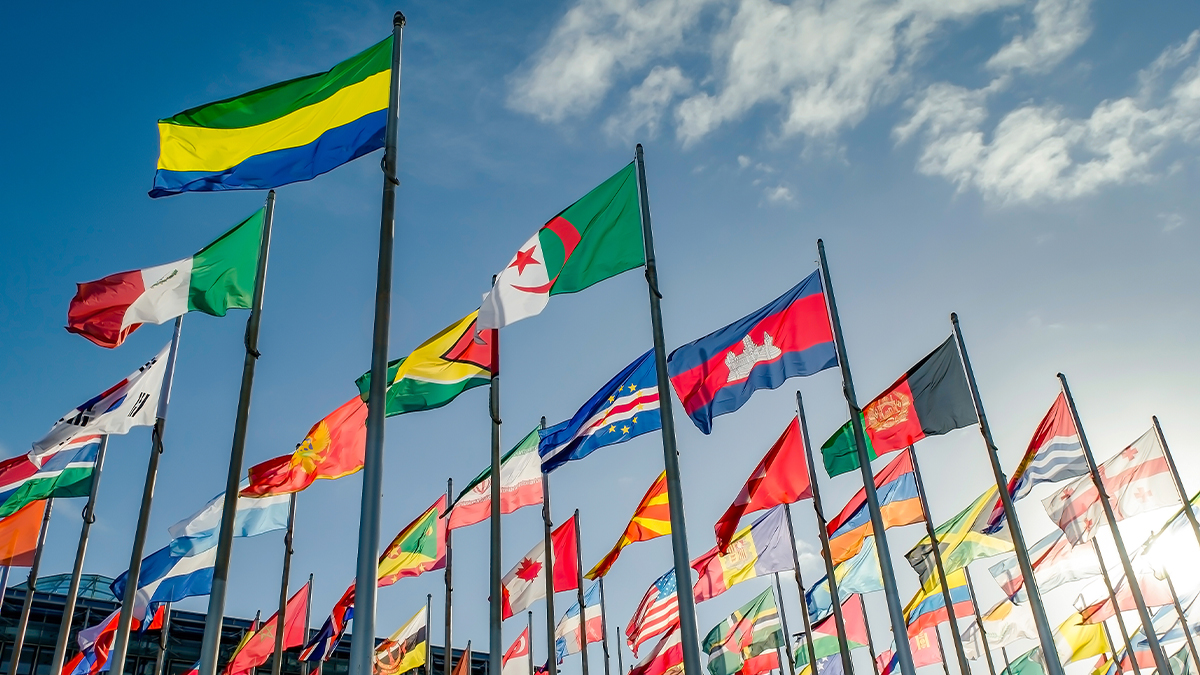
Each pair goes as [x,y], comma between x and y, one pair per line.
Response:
[781,477]
[218,278]
[254,516]
[19,535]
[748,641]
[1005,623]
[651,519]
[657,613]
[1181,662]
[790,337]
[524,584]
[321,646]
[419,548]
[1055,562]
[455,360]
[567,636]
[1029,663]
[593,239]
[66,473]
[1076,640]
[261,645]
[520,485]
[859,574]
[1054,454]
[516,659]
[405,649]
[825,636]
[333,447]
[463,667]
[1155,592]
[95,643]
[960,540]
[1135,479]
[279,134]
[759,549]
[827,665]
[925,652]
[665,659]
[931,399]
[624,408]
[14,471]
[166,577]
[928,607]
[899,505]
[132,402]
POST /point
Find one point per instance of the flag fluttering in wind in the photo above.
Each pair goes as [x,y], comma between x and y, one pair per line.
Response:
[624,408]
[19,535]
[321,646]
[516,659]
[334,447]
[790,337]
[899,505]
[405,649]
[593,239]
[928,607]
[418,548]
[520,485]
[279,134]
[1055,562]
[568,637]
[781,477]
[748,641]
[132,402]
[762,548]
[858,575]
[1076,640]
[1005,623]
[165,577]
[436,372]
[665,659]
[651,519]
[657,613]
[960,540]
[925,652]
[931,399]
[825,636]
[259,647]
[255,516]
[95,643]
[218,278]
[66,473]
[525,583]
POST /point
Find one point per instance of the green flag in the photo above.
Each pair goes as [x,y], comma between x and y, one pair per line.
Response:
[749,638]
[66,473]
[961,540]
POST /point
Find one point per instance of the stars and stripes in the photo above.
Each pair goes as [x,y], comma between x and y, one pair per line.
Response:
[657,613]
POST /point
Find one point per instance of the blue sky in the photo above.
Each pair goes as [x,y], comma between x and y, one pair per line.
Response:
[1025,163]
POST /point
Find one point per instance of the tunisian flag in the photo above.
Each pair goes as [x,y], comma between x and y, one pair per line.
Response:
[261,645]
[334,447]
[781,477]
[526,582]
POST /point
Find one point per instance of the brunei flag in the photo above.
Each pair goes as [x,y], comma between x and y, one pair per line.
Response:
[405,649]
[760,549]
[283,133]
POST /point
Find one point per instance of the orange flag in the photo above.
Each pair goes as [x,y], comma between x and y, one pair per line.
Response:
[334,447]
[651,519]
[19,535]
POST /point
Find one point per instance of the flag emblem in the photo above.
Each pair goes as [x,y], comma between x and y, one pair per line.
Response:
[740,365]
[887,412]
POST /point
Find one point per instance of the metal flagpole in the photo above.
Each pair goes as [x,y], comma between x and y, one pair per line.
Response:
[530,645]
[777,591]
[548,547]
[1007,665]
[89,517]
[281,617]
[120,645]
[1045,634]
[620,665]
[362,651]
[449,578]
[688,634]
[579,595]
[1187,505]
[1112,649]
[1112,597]
[870,640]
[941,650]
[210,644]
[160,660]
[963,665]
[603,626]
[428,631]
[30,589]
[1183,621]
[987,649]
[496,608]
[823,528]
[4,585]
[1160,657]
[807,620]
[304,667]
[895,609]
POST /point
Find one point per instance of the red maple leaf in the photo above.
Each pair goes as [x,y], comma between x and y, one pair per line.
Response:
[528,569]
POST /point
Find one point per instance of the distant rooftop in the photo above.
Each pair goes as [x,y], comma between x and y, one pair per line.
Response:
[93,586]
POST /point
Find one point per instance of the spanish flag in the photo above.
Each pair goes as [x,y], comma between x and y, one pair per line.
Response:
[283,133]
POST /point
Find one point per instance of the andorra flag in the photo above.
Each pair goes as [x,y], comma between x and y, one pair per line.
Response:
[755,551]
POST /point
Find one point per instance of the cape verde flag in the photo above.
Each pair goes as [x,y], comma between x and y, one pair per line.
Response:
[791,337]
[624,408]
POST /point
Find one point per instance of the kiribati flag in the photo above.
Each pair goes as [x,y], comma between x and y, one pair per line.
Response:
[791,337]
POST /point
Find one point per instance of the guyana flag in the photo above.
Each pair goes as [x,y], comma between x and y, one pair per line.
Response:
[419,548]
[748,642]
[446,365]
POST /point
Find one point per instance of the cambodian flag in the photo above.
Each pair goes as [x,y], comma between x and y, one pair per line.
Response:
[791,337]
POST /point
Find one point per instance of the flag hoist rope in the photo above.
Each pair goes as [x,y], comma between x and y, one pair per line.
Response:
[495,606]
[548,548]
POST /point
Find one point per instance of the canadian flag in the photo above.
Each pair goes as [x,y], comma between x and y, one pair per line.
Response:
[526,582]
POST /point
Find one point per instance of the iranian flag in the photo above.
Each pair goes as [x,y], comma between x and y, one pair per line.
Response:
[593,239]
[218,278]
[520,485]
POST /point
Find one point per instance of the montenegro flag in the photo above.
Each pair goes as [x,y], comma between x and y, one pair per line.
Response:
[334,447]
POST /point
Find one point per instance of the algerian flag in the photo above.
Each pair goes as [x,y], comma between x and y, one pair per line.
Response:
[520,485]
[67,473]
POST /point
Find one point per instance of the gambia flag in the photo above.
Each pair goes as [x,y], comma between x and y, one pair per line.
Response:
[748,642]
[218,278]
[593,239]
[67,473]
[931,399]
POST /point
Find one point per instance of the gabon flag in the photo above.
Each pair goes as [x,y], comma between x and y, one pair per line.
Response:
[334,447]
[781,477]
[651,519]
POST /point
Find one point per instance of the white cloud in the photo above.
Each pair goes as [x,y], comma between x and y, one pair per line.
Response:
[744,161]
[1059,28]
[780,194]
[647,102]
[1171,222]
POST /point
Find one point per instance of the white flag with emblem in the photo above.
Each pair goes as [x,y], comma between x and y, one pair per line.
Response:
[522,289]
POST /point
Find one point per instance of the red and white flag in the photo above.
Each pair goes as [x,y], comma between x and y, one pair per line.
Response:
[1136,480]
[516,659]
[520,485]
[665,659]
[657,613]
[526,582]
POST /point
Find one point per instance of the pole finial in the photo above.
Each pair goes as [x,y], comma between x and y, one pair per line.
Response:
[398,19]
[954,318]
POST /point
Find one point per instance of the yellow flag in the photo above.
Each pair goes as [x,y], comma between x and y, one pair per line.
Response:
[1076,640]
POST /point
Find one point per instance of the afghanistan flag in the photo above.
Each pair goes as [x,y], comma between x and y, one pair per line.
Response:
[593,239]
[67,473]
[931,399]
[759,549]
[748,642]
[444,366]
[960,540]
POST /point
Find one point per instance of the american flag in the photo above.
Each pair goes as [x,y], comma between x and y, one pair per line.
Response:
[656,614]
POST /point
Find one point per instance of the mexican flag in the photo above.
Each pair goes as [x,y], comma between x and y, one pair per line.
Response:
[593,239]
[218,278]
[520,485]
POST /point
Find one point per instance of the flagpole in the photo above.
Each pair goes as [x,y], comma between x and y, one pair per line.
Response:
[89,517]
[1183,621]
[448,659]
[1007,665]
[1160,658]
[496,608]
[362,651]
[161,659]
[941,650]
[210,644]
[530,645]
[620,665]
[1045,634]
[428,632]
[277,663]
[870,640]
[120,644]
[823,528]
[307,623]
[987,649]
[30,589]
[4,585]
[548,546]
[895,609]
[1112,650]
[1187,505]
[963,665]
[579,593]
[1112,597]
[688,633]
[777,591]
[603,625]
[807,620]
